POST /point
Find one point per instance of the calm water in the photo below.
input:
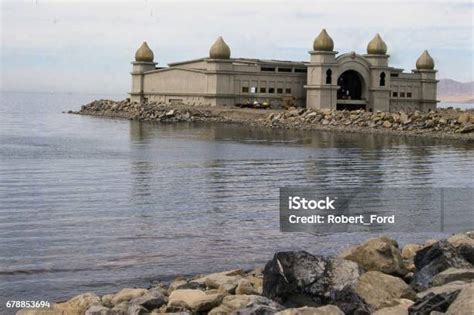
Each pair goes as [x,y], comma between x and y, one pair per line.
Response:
[95,204]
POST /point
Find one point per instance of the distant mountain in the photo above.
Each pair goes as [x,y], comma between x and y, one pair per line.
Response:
[455,92]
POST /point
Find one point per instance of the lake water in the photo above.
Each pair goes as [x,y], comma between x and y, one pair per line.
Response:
[95,204]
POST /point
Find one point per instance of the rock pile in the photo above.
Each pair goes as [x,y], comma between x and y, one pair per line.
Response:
[447,123]
[372,278]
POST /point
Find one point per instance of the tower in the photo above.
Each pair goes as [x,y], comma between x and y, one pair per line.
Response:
[143,63]
[425,67]
[220,81]
[379,85]
[321,88]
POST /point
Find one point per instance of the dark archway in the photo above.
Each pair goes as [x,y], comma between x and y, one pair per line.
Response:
[350,83]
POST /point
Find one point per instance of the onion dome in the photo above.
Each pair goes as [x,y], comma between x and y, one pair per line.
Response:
[144,53]
[219,50]
[323,42]
[377,46]
[425,62]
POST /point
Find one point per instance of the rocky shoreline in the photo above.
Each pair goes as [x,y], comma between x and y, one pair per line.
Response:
[375,277]
[442,123]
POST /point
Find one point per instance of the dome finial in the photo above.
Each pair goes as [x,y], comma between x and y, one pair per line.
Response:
[144,53]
[219,50]
[323,42]
[425,62]
[377,46]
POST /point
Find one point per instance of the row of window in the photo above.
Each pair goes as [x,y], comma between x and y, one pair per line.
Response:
[281,69]
[271,90]
[402,94]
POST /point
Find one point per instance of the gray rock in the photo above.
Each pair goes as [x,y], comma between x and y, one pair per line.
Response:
[434,259]
[300,279]
[453,274]
[151,300]
[433,302]
[322,310]
[464,303]
[246,304]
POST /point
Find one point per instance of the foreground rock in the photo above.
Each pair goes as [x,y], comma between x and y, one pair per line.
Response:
[301,283]
[440,123]
[301,279]
[464,303]
[381,290]
[379,254]
[234,303]
[434,259]
[322,310]
[193,300]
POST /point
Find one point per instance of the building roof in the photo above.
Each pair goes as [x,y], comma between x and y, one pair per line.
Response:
[247,61]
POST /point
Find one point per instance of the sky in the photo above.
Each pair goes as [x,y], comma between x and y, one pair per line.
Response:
[87,46]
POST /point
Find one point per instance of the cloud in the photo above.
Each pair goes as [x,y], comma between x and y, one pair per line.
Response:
[87,46]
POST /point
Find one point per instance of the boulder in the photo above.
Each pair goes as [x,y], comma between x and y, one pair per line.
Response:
[433,302]
[381,290]
[464,118]
[400,309]
[237,303]
[446,288]
[150,300]
[127,294]
[322,310]
[97,309]
[194,300]
[300,279]
[179,281]
[461,239]
[453,274]
[379,254]
[227,280]
[464,303]
[107,300]
[409,251]
[434,259]
[78,304]
[244,286]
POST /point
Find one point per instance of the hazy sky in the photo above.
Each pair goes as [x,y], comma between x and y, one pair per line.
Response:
[79,46]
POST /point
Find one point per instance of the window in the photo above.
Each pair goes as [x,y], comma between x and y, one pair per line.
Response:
[329,76]
[271,90]
[268,69]
[245,89]
[394,75]
[395,94]
[253,90]
[284,69]
[288,91]
[263,90]
[299,70]
[408,94]
[402,94]
[382,79]
[279,91]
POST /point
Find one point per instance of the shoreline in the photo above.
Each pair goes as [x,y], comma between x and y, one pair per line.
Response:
[374,277]
[449,124]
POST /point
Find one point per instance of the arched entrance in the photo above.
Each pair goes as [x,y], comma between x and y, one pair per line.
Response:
[350,93]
